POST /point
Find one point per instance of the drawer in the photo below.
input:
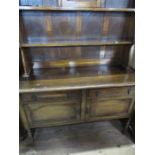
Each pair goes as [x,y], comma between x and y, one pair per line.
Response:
[111,92]
[80,3]
[51,96]
[109,107]
[47,113]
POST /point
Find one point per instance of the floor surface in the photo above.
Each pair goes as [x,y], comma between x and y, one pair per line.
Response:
[65,140]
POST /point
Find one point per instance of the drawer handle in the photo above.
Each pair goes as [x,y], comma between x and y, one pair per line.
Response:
[97,94]
[34,97]
[129,91]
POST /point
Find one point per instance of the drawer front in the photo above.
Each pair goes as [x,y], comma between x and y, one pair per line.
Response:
[80,3]
[109,107]
[47,113]
[111,92]
[51,96]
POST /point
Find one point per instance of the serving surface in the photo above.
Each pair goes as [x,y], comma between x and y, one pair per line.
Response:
[77,78]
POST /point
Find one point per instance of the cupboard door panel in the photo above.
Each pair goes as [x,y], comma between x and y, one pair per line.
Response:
[109,107]
[110,102]
[47,113]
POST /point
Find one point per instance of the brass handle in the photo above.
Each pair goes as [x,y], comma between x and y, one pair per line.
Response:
[34,97]
[97,94]
[129,91]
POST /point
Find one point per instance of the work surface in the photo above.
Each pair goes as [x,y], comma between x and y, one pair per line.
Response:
[77,78]
[80,138]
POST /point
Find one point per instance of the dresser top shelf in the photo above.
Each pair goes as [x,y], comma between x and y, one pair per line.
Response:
[44,80]
[46,8]
[75,43]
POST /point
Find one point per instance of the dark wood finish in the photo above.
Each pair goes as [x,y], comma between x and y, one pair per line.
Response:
[109,107]
[54,108]
[22,131]
[109,102]
[75,59]
[75,56]
[25,65]
[76,83]
[130,126]
[40,8]
[72,79]
[80,3]
[77,43]
[83,105]
[54,96]
[61,29]
[60,112]
[124,92]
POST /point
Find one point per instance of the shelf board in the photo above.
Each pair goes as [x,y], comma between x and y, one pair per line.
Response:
[70,63]
[40,8]
[101,76]
[76,43]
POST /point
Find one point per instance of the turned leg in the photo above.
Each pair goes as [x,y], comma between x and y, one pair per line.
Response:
[25,124]
[127,125]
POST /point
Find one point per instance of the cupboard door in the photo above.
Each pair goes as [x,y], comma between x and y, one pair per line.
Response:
[108,108]
[109,103]
[44,114]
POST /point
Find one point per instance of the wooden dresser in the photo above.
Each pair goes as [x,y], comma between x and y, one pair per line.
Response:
[74,56]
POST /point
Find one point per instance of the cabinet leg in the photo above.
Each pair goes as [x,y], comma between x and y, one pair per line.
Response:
[30,139]
[26,75]
[127,125]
